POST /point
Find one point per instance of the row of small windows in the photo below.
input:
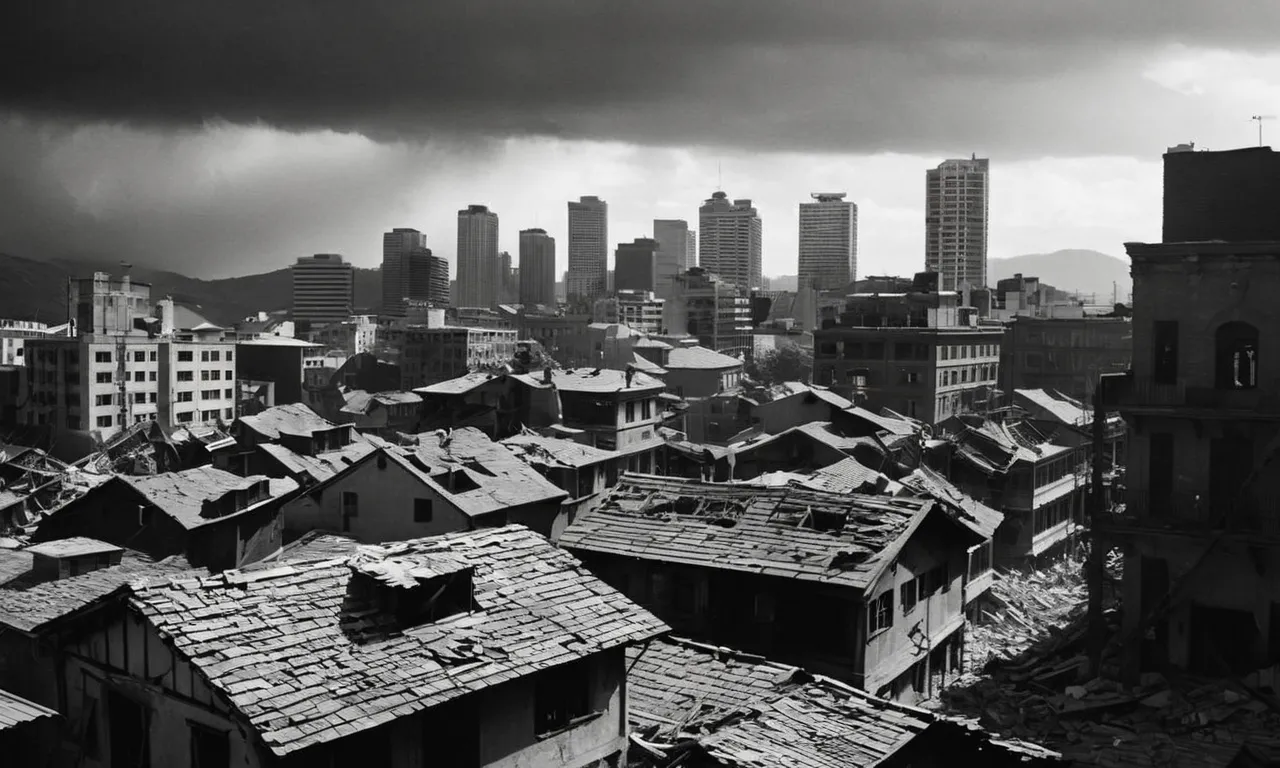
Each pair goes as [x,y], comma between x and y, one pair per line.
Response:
[875,350]
[184,356]
[182,417]
[966,374]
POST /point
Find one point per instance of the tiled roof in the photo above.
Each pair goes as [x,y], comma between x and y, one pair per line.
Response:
[977,516]
[503,478]
[322,466]
[820,431]
[554,450]
[75,546]
[1056,405]
[994,447]
[304,668]
[359,401]
[181,495]
[457,386]
[15,711]
[747,528]
[292,419]
[592,380]
[747,712]
[888,423]
[845,476]
[700,358]
[28,603]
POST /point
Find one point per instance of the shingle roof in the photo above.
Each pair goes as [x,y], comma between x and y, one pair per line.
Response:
[994,447]
[747,712]
[75,546]
[845,476]
[746,528]
[457,386]
[592,380]
[700,358]
[323,466]
[292,419]
[1056,405]
[554,450]
[359,401]
[15,711]
[977,516]
[181,495]
[888,423]
[278,642]
[28,604]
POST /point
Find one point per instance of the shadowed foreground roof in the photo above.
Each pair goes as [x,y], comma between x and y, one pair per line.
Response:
[15,711]
[745,711]
[304,670]
[750,528]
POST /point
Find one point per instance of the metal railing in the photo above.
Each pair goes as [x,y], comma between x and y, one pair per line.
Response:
[1200,512]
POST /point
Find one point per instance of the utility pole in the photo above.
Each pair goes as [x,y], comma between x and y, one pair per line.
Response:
[1096,569]
[1258,119]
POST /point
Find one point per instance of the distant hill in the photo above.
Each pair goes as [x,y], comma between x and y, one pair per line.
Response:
[1073,270]
[38,289]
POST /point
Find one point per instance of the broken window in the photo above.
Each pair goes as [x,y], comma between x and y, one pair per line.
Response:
[1236,356]
[1165,370]
[880,613]
[562,695]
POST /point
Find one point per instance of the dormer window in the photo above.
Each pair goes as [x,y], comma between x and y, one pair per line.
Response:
[67,558]
[407,592]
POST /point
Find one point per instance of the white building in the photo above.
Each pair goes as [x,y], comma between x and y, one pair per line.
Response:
[324,289]
[677,252]
[477,257]
[730,245]
[828,242]
[639,310]
[955,221]
[588,247]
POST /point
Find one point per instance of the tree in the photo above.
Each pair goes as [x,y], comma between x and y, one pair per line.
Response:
[789,363]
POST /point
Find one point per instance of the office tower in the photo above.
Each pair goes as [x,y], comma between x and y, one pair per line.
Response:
[955,222]
[636,265]
[410,272]
[828,242]
[588,247]
[477,256]
[677,251]
[537,267]
[324,289]
[730,246]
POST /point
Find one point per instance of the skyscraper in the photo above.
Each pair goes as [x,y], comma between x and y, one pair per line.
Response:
[636,265]
[955,222]
[410,272]
[730,241]
[677,251]
[537,267]
[477,257]
[588,247]
[324,289]
[828,242]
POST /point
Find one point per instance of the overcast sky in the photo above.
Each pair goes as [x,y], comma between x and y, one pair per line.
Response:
[227,138]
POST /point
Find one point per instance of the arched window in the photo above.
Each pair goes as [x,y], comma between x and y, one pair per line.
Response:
[1236,356]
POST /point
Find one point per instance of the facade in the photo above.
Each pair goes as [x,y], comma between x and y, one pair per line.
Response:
[1228,195]
[14,332]
[355,335]
[588,248]
[851,580]
[712,310]
[429,355]
[605,408]
[282,361]
[410,272]
[639,310]
[537,268]
[828,242]
[917,353]
[677,252]
[636,266]
[324,289]
[730,244]
[1064,354]
[477,257]
[957,193]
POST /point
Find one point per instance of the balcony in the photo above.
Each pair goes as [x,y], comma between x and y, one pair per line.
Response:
[1132,393]
[1196,513]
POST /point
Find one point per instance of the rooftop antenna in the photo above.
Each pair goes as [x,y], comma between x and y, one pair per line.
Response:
[719,177]
[1258,119]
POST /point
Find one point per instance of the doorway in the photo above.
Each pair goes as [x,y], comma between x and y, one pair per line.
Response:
[129,731]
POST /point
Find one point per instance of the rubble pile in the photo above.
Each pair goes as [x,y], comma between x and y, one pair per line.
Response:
[1033,684]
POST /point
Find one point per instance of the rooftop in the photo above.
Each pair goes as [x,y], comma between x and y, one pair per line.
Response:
[359,401]
[278,341]
[700,358]
[457,386]
[747,712]
[16,711]
[973,514]
[182,495]
[324,465]
[994,447]
[789,532]
[888,423]
[599,380]
[1056,405]
[845,476]
[278,642]
[646,365]
[553,450]
[76,546]
[292,419]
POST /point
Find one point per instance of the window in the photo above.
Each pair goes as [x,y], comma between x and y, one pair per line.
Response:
[153,397]
[151,376]
[1236,356]
[880,613]
[631,412]
[229,413]
[185,356]
[151,355]
[422,510]
[562,695]
[228,355]
[101,357]
[646,409]
[105,421]
[185,397]
[228,394]
[204,375]
[139,357]
[1165,346]
[209,748]
[913,377]
[209,394]
[186,376]
[350,508]
[103,377]
[208,415]
[204,356]
[139,375]
[946,351]
[184,416]
[103,399]
[907,596]
[231,374]
[139,397]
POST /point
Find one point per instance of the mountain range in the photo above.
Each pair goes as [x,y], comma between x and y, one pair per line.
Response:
[38,289]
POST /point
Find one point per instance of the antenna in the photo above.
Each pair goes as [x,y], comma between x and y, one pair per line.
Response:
[719,177]
[1258,119]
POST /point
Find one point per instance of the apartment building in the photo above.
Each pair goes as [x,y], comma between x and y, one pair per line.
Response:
[324,289]
[957,195]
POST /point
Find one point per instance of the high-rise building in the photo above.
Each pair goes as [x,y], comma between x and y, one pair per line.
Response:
[955,222]
[324,289]
[537,267]
[636,265]
[410,272]
[730,241]
[828,242]
[477,256]
[588,247]
[677,251]
[717,312]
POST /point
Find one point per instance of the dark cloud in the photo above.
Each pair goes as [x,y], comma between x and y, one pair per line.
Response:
[843,75]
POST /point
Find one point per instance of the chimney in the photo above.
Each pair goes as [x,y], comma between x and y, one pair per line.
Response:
[546,375]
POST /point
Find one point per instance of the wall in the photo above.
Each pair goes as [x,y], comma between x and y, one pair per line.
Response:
[276,363]
[1066,355]
[110,513]
[1230,195]
[695,382]
[787,412]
